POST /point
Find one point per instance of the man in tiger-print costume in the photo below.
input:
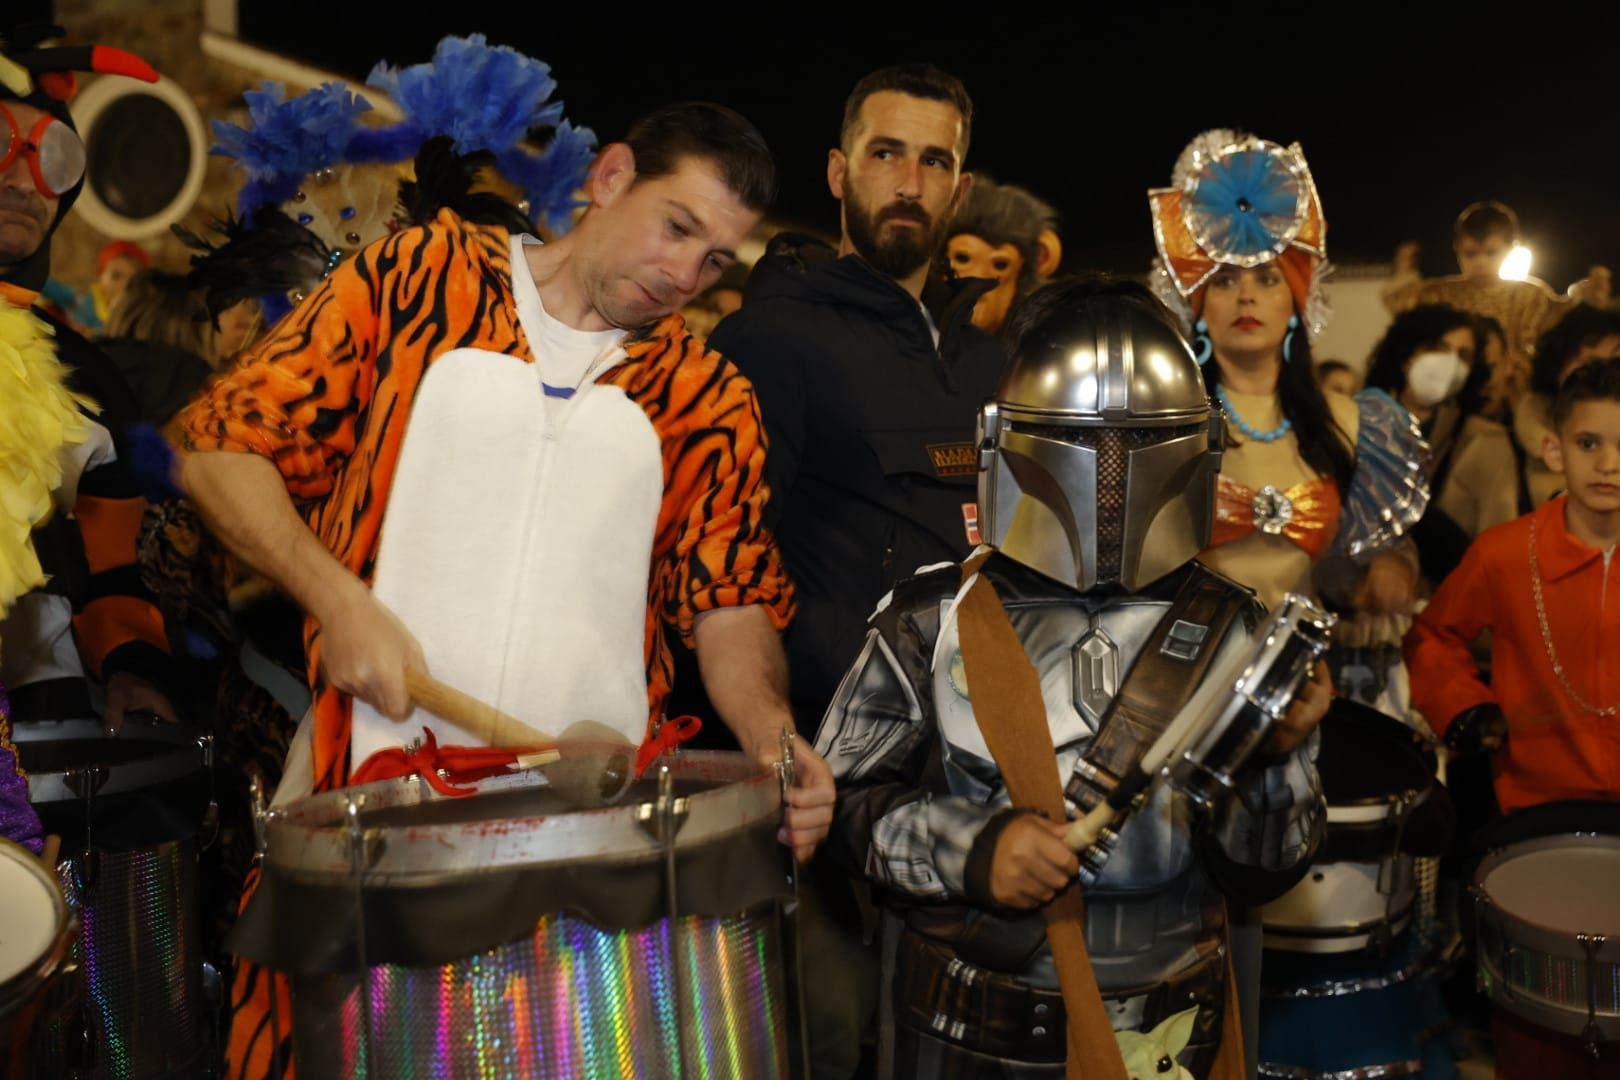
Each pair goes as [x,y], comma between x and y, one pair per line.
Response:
[508,463]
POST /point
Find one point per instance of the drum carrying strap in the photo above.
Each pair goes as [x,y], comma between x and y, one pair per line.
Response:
[1011,714]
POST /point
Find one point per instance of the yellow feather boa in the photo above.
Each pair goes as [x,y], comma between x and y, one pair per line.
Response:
[39,416]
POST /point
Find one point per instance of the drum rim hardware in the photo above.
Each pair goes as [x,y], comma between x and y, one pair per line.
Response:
[1390,1071]
[1438,958]
[304,838]
[1389,870]
[1521,935]
[1591,1034]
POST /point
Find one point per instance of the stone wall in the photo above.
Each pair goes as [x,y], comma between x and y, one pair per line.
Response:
[166,34]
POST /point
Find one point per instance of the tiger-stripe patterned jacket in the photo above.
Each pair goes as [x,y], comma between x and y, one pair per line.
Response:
[408,377]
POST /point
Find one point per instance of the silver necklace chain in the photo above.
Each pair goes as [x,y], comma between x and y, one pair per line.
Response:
[1546,632]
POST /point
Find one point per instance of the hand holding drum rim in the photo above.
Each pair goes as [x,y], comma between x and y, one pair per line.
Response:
[131,697]
[1309,707]
[808,813]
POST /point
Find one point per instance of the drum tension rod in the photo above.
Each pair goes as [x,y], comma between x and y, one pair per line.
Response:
[1383,938]
[354,834]
[1590,944]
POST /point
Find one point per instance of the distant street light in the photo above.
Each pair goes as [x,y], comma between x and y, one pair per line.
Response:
[1516,267]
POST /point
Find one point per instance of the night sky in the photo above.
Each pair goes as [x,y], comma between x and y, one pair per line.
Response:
[1403,122]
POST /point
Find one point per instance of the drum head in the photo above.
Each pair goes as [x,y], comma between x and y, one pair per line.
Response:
[1367,757]
[34,914]
[1564,884]
[145,786]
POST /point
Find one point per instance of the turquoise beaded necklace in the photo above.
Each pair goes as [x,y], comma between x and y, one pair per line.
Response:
[1242,425]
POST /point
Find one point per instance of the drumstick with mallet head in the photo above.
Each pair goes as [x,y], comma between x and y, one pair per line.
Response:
[1202,708]
[590,765]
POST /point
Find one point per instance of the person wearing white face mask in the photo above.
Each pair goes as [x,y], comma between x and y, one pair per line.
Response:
[1427,361]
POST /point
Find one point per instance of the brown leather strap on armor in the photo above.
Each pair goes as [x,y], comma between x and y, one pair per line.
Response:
[1159,683]
[1007,705]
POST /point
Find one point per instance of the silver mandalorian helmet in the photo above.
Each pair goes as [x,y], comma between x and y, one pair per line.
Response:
[1098,456]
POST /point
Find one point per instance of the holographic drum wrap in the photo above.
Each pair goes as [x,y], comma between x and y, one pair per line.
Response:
[1549,932]
[128,810]
[512,934]
[140,959]
[572,1003]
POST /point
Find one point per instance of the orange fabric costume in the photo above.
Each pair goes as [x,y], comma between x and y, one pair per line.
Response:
[1556,750]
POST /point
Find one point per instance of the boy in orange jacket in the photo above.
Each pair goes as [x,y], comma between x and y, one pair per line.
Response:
[1546,587]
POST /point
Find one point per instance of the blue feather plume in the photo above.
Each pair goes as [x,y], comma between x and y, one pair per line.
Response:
[489,97]
[285,141]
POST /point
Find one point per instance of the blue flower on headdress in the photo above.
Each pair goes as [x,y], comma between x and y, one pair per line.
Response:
[1244,204]
[490,97]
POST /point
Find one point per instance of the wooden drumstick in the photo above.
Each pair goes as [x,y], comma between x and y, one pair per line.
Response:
[477,718]
[1083,832]
[590,766]
[53,848]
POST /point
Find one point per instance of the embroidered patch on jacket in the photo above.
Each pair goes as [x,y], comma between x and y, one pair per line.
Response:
[970,523]
[954,459]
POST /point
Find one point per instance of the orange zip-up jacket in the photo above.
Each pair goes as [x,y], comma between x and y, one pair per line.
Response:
[1556,748]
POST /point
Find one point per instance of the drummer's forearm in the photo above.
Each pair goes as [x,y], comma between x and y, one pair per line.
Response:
[745,674]
[246,505]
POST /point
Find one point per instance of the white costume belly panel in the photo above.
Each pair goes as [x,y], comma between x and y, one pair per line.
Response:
[517,546]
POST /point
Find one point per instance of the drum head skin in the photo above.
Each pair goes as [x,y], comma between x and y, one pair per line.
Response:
[1574,888]
[32,919]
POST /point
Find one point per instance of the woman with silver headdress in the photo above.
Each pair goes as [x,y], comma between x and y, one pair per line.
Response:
[1316,490]
[1306,475]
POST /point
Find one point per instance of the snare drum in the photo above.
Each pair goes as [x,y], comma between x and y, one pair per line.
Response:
[1548,914]
[1378,777]
[36,974]
[1286,650]
[1358,1015]
[504,934]
[128,809]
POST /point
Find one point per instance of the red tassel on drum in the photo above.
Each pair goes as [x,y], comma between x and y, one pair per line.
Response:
[461,764]
[668,735]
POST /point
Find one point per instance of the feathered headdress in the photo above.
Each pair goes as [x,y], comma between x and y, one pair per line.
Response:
[488,99]
[288,139]
[269,258]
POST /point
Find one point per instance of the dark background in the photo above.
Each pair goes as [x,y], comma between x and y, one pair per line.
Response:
[1406,114]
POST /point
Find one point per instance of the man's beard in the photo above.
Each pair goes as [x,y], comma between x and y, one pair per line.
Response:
[905,250]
